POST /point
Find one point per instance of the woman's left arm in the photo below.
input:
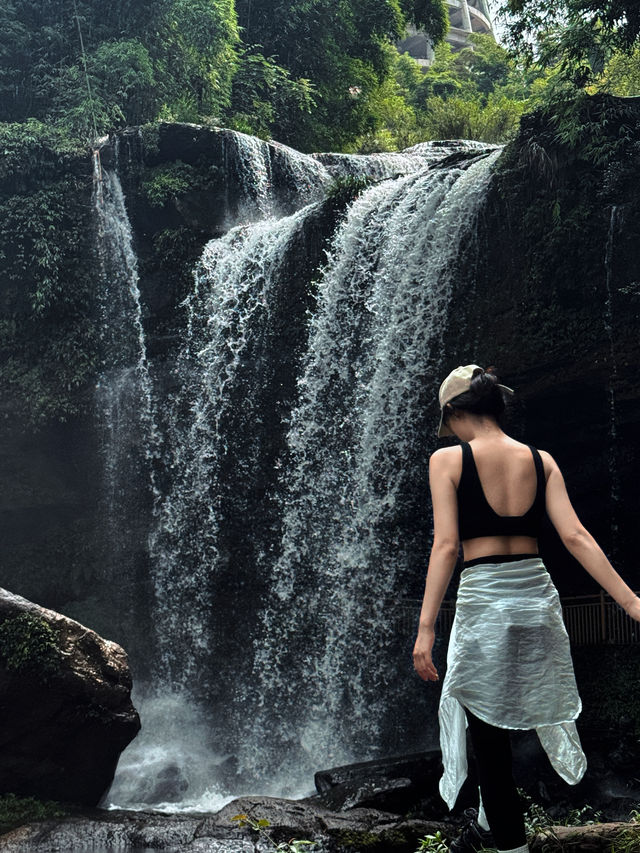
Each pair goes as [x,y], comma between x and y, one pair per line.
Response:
[442,560]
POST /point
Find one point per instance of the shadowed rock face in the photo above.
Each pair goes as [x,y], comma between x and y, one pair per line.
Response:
[65,705]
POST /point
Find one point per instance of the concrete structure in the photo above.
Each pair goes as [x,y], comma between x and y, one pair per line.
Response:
[465,17]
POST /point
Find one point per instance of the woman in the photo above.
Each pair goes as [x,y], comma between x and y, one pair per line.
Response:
[508,662]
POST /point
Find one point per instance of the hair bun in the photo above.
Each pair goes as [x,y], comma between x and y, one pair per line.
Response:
[484,382]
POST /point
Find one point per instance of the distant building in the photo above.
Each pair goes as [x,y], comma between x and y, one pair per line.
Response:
[465,17]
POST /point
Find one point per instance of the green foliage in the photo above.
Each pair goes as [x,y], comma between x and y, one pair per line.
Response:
[537,819]
[124,90]
[478,92]
[150,135]
[142,60]
[15,811]
[539,823]
[457,118]
[48,336]
[428,16]
[261,828]
[30,147]
[432,844]
[28,644]
[582,816]
[627,841]
[265,98]
[621,74]
[595,129]
[578,36]
[170,180]
[344,49]
[344,190]
[315,75]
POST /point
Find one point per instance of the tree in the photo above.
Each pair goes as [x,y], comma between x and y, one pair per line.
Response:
[343,48]
[479,92]
[578,35]
[140,57]
[621,74]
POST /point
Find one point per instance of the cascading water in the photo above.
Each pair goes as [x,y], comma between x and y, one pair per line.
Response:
[221,372]
[283,525]
[326,663]
[267,171]
[389,164]
[123,398]
[614,224]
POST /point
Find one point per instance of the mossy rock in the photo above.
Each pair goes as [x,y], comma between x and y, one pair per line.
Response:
[16,811]
[28,644]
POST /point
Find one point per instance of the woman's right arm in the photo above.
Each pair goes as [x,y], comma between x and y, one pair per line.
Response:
[581,544]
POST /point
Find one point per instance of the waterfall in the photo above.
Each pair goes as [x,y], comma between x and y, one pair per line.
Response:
[294,442]
[326,657]
[389,164]
[272,177]
[216,439]
[123,394]
[221,372]
[615,219]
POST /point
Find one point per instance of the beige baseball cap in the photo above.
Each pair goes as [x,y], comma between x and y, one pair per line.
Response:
[456,383]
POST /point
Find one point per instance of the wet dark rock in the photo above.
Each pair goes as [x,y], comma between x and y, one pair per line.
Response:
[65,705]
[408,785]
[218,833]
[353,832]
[394,784]
[389,794]
[170,785]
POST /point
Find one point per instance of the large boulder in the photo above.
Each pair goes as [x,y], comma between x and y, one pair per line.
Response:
[65,705]
[394,784]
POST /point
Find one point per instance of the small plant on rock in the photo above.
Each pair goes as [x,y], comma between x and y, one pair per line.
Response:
[583,817]
[433,844]
[261,827]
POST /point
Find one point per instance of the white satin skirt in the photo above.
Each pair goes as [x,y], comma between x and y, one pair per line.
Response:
[509,663]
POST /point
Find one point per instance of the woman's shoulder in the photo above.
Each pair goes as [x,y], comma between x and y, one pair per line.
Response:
[548,462]
[441,454]
[445,464]
[446,458]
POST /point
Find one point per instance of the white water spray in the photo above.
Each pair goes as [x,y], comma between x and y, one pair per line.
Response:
[280,660]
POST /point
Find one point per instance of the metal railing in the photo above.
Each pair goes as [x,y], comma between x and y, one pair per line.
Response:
[589,620]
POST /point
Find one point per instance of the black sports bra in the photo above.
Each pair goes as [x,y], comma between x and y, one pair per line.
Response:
[477,518]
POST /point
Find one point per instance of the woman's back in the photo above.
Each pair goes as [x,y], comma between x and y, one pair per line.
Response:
[507,474]
[501,497]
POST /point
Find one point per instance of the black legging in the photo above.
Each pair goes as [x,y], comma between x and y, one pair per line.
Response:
[502,805]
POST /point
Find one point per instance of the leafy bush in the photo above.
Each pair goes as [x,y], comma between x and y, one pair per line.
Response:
[15,811]
[48,336]
[167,181]
[30,147]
